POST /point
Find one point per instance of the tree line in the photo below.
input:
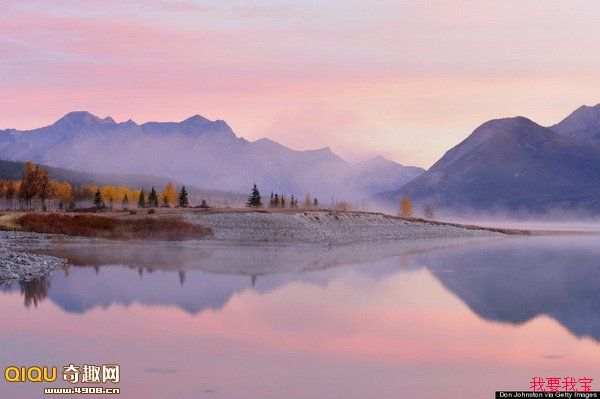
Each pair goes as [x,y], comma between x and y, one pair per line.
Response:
[278,200]
[35,190]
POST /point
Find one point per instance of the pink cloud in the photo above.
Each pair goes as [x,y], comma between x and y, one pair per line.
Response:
[416,78]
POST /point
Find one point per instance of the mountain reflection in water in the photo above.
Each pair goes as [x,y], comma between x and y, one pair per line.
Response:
[458,318]
[504,280]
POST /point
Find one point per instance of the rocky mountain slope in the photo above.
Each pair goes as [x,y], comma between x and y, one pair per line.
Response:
[200,152]
[514,164]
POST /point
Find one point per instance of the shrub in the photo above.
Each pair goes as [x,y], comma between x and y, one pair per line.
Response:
[341,206]
[167,228]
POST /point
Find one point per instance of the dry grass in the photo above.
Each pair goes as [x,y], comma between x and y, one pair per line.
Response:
[86,225]
[8,221]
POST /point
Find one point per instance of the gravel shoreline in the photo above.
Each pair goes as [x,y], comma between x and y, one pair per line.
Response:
[322,228]
[315,228]
[18,265]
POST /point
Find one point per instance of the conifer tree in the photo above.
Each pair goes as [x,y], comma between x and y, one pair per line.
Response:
[272,203]
[153,198]
[254,200]
[142,199]
[315,202]
[182,200]
[125,201]
[98,203]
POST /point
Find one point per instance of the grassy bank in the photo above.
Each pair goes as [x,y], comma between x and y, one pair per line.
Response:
[163,228]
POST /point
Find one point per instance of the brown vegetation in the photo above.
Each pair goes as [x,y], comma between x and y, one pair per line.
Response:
[428,212]
[165,228]
[341,206]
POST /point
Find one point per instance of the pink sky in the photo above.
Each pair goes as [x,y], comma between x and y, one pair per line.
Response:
[405,79]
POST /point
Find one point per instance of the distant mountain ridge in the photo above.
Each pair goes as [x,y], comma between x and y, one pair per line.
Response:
[582,125]
[200,152]
[516,165]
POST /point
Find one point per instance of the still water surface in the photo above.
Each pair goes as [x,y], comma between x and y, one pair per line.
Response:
[353,322]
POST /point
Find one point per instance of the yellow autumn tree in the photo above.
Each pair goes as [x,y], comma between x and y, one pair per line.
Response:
[27,191]
[406,208]
[63,192]
[35,184]
[109,194]
[169,196]
[308,201]
[11,190]
[123,196]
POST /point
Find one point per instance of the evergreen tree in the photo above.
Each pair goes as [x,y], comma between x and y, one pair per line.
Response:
[111,203]
[183,198]
[282,201]
[315,202]
[204,204]
[142,199]
[254,200]
[153,198]
[98,203]
[272,203]
[125,201]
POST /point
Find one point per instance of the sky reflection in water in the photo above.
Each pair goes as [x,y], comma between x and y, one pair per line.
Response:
[190,322]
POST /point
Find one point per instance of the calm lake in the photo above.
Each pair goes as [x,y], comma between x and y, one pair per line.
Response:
[387,321]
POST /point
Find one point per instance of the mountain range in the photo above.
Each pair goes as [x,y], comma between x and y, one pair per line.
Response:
[200,152]
[517,165]
[509,164]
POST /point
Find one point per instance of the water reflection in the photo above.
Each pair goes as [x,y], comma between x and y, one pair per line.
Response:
[385,321]
[518,280]
[507,280]
[34,291]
